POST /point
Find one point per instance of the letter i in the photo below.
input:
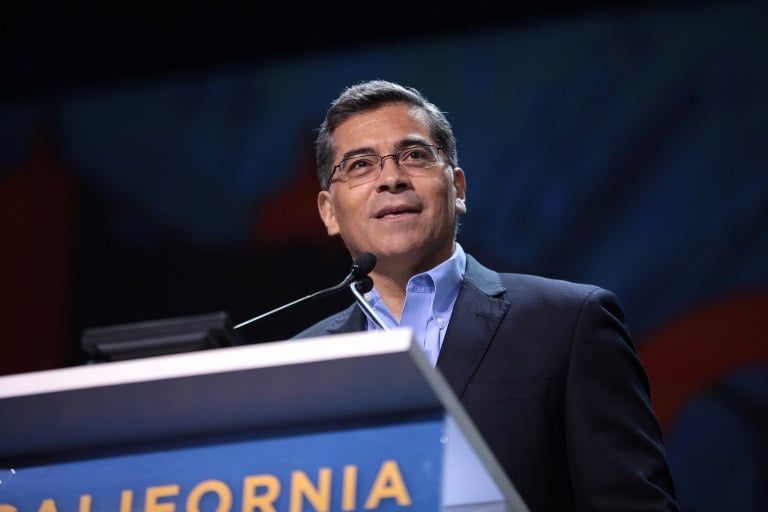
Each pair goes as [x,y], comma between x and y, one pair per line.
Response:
[85,503]
[349,488]
[126,501]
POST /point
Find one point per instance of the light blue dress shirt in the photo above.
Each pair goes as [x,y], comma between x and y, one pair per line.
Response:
[429,300]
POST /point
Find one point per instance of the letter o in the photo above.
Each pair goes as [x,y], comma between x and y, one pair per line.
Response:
[215,486]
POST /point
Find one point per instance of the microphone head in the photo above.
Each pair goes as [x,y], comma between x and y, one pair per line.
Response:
[364,285]
[362,265]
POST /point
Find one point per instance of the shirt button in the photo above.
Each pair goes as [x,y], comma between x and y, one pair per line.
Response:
[440,321]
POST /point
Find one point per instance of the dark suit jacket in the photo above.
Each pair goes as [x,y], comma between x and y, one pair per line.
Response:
[549,374]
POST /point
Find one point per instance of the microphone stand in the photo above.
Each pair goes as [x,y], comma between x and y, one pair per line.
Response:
[286,306]
[354,288]
[362,265]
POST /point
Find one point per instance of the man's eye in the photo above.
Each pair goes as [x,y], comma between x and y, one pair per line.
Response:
[363,162]
[359,165]
[414,154]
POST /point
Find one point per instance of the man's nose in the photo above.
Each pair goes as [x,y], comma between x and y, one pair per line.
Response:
[394,160]
[391,175]
[394,166]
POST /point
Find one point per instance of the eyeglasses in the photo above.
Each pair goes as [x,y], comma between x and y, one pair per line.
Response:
[360,169]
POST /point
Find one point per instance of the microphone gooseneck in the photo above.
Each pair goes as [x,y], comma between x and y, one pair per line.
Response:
[362,265]
[358,288]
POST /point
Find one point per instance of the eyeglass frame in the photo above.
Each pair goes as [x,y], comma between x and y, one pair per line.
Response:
[394,156]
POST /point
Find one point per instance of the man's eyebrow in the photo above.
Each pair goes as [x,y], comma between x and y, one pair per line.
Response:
[401,144]
[358,151]
[412,141]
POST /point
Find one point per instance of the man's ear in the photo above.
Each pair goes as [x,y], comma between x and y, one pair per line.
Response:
[460,184]
[327,212]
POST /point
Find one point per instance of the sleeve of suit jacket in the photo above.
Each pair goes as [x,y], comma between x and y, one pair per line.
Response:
[613,441]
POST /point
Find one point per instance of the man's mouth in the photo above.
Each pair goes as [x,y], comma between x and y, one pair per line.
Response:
[393,211]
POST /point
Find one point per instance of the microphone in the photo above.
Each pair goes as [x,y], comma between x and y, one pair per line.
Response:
[361,267]
[358,274]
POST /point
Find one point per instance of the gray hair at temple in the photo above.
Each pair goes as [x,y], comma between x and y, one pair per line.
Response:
[370,95]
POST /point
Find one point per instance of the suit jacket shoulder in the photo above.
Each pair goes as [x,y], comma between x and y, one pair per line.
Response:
[349,320]
[480,284]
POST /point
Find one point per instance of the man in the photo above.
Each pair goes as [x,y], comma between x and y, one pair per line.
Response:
[546,369]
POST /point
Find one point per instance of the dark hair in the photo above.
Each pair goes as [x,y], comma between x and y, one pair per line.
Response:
[371,95]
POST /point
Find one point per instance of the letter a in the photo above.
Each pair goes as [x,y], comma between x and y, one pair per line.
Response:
[389,484]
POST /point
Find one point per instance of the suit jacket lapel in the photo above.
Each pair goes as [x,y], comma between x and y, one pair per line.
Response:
[476,316]
[475,319]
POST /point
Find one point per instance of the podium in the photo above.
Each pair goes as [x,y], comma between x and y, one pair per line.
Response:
[346,422]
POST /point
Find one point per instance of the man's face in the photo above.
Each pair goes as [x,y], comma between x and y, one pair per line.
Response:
[407,222]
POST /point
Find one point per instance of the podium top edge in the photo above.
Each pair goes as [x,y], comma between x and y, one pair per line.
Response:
[219,360]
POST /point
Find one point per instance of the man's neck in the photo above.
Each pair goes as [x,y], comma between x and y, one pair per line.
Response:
[390,277]
[392,291]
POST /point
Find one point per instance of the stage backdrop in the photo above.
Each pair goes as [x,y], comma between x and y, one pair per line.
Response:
[626,150]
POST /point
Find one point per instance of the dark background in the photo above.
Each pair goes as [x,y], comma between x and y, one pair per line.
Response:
[50,48]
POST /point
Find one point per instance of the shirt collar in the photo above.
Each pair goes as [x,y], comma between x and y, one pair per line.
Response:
[445,279]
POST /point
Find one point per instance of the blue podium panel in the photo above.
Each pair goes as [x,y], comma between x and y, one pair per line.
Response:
[385,468]
[357,421]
